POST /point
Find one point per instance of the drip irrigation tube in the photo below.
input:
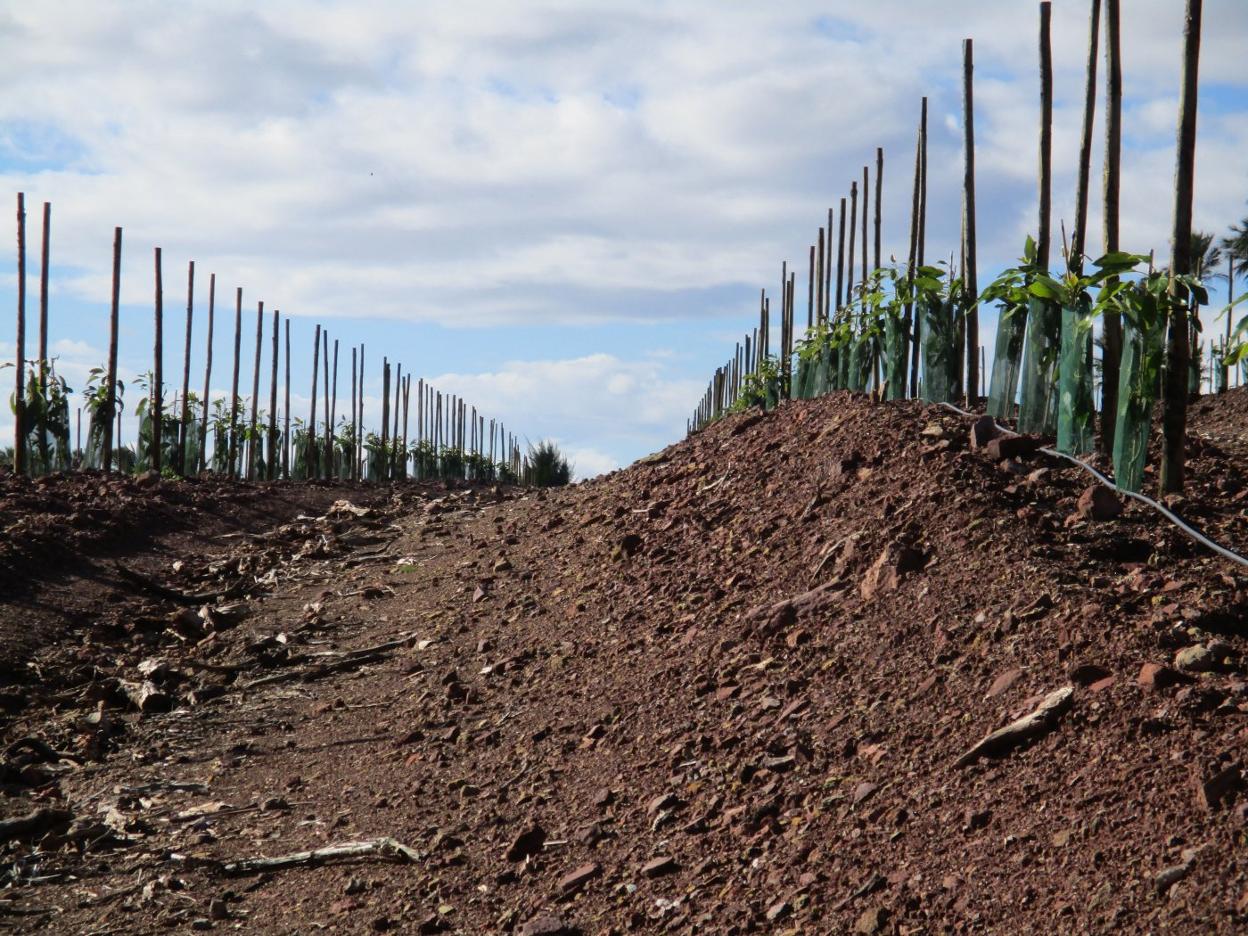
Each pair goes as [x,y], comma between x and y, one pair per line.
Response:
[1143,499]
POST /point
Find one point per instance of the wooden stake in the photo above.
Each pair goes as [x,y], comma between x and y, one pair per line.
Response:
[879,199]
[1111,351]
[1079,236]
[762,326]
[184,418]
[394,433]
[355,430]
[853,227]
[866,197]
[359,436]
[969,273]
[327,450]
[333,417]
[817,275]
[19,398]
[203,424]
[825,312]
[286,439]
[784,317]
[912,258]
[110,405]
[840,260]
[1230,300]
[1174,408]
[158,370]
[274,457]
[788,346]
[385,418]
[43,331]
[253,441]
[914,351]
[1044,237]
[232,468]
[310,456]
[407,396]
[810,285]
[45,249]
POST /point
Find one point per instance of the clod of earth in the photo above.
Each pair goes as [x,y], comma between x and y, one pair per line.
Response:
[1098,503]
[574,880]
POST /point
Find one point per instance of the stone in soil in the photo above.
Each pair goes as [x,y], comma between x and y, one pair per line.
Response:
[1098,503]
[574,880]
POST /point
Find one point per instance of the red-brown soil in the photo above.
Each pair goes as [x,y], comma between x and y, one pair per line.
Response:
[722,691]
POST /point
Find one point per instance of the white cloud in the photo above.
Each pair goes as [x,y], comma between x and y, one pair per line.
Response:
[589,463]
[546,162]
[604,409]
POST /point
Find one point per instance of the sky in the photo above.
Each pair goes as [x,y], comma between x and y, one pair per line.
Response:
[561,211]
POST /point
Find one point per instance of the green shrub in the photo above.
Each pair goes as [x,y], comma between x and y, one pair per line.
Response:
[547,467]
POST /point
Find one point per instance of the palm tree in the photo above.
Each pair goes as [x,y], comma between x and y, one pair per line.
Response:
[1237,243]
[1236,246]
[1206,258]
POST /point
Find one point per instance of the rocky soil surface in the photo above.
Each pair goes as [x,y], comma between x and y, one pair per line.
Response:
[831,669]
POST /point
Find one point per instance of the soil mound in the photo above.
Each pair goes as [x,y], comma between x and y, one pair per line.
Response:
[836,668]
[59,534]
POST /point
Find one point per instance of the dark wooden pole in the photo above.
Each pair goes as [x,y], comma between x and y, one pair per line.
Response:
[43,332]
[385,419]
[762,326]
[853,227]
[1044,236]
[19,398]
[253,440]
[407,398]
[203,422]
[919,254]
[157,407]
[231,469]
[912,257]
[1079,237]
[355,430]
[866,197]
[333,416]
[286,440]
[327,452]
[310,457]
[394,434]
[784,317]
[879,200]
[1111,352]
[825,311]
[184,418]
[840,259]
[969,268]
[818,274]
[274,457]
[810,286]
[359,437]
[1174,409]
[44,253]
[1230,300]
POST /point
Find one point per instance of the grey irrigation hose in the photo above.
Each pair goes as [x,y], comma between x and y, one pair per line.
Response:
[1143,499]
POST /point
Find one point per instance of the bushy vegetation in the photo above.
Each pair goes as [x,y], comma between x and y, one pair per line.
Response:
[547,467]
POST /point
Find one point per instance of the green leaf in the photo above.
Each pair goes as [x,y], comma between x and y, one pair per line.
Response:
[1046,288]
